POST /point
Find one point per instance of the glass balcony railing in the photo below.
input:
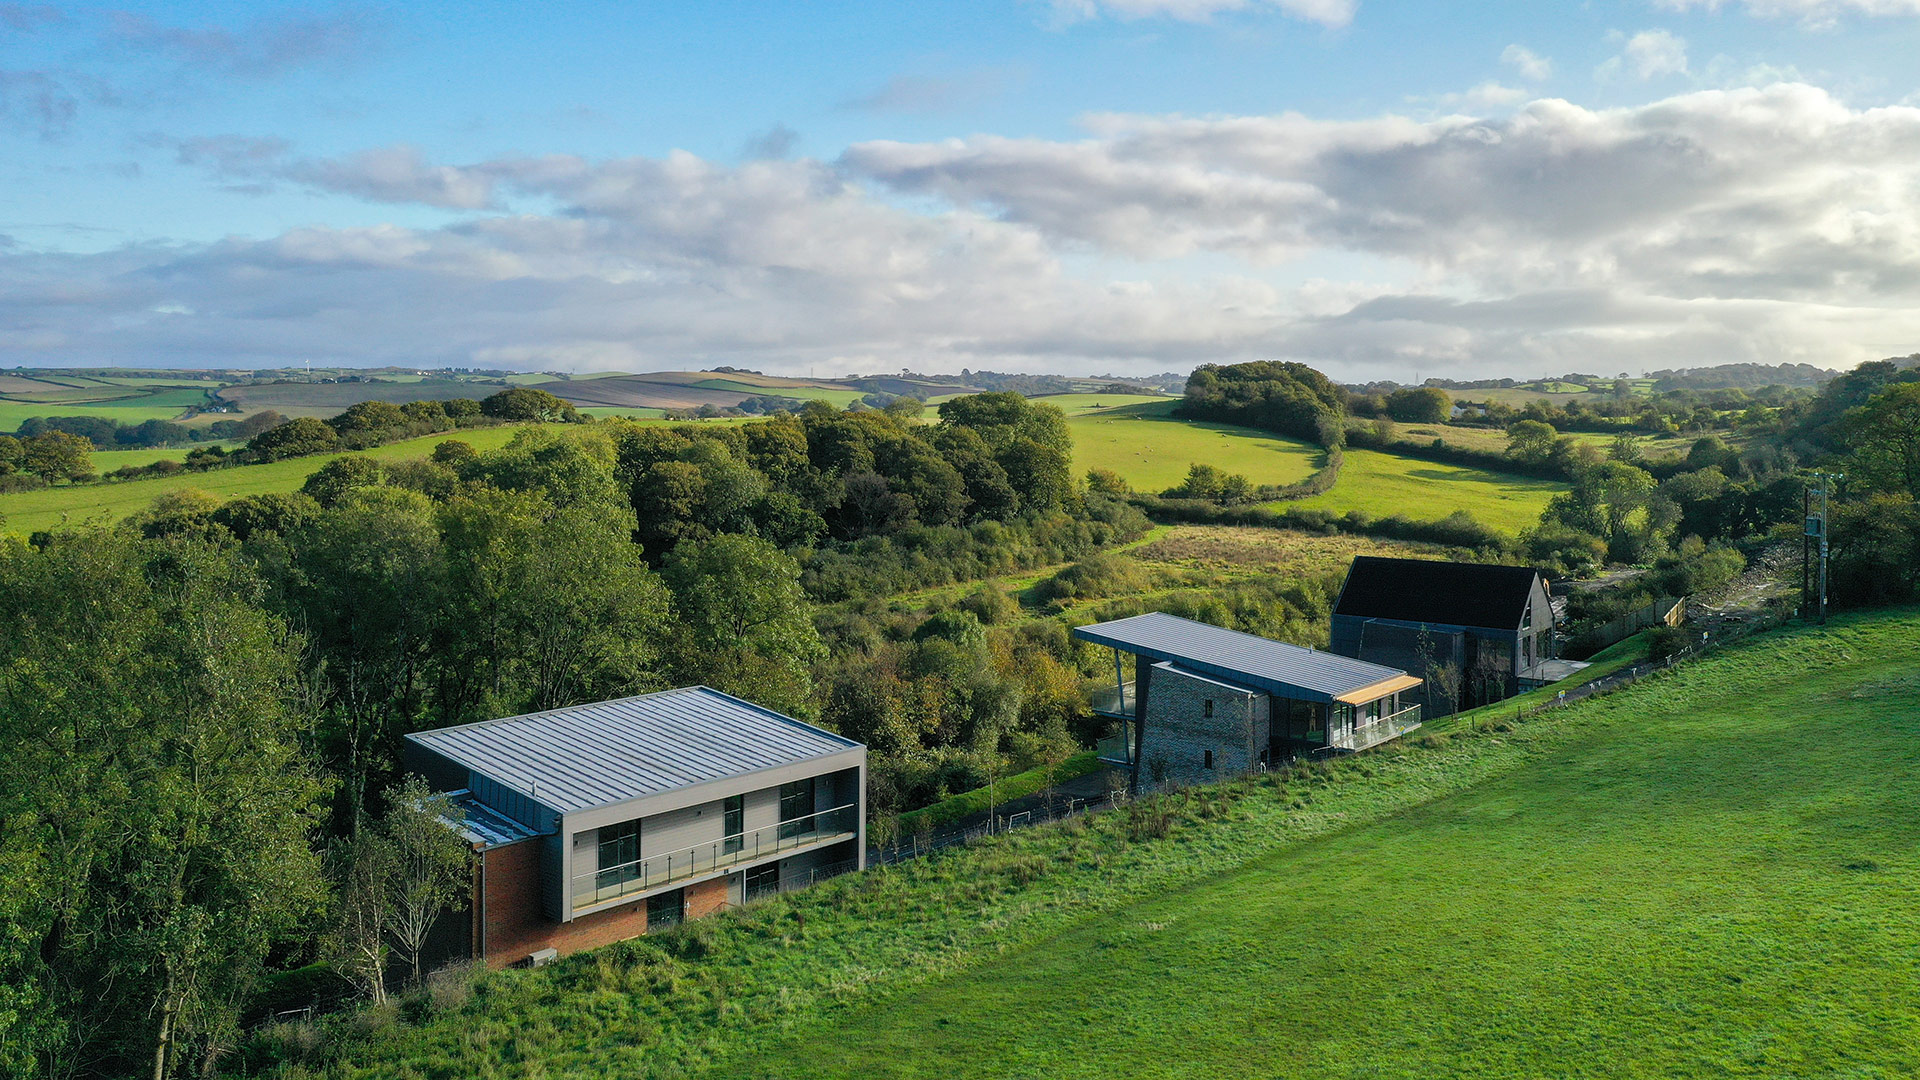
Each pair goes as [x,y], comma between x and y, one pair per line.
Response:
[1375,732]
[653,871]
[1114,700]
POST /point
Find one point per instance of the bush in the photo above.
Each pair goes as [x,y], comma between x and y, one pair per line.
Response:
[295,438]
[527,403]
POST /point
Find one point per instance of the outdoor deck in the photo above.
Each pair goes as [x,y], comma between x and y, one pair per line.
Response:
[1373,734]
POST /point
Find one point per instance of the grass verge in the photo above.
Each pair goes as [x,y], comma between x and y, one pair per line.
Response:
[1018,786]
[1710,873]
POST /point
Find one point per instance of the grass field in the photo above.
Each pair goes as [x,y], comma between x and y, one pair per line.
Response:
[1149,448]
[1383,484]
[15,413]
[26,511]
[1712,873]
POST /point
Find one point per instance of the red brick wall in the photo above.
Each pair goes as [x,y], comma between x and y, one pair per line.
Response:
[706,898]
[516,926]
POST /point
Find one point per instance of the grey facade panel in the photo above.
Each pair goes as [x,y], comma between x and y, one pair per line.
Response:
[1256,662]
[589,756]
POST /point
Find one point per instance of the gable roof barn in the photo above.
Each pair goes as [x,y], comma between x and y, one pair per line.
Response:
[1479,595]
[1247,660]
[588,756]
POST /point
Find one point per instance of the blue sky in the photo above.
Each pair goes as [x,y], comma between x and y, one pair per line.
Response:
[1380,188]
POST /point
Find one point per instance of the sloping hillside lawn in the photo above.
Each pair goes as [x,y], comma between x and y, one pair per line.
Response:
[1715,872]
[1382,484]
[1152,451]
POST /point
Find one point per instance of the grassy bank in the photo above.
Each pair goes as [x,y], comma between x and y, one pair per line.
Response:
[1152,451]
[1382,484]
[1017,786]
[1712,872]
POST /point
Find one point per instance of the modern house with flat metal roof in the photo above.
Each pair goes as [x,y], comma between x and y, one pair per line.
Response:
[1205,702]
[599,822]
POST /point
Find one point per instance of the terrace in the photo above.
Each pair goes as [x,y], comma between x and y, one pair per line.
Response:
[669,868]
[1375,732]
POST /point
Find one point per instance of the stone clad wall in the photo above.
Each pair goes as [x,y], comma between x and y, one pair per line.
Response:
[1178,734]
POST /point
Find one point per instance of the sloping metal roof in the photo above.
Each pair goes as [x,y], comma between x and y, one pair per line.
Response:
[1480,595]
[1272,666]
[482,825]
[588,756]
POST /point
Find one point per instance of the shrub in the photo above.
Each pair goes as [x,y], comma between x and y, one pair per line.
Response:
[295,438]
[527,403]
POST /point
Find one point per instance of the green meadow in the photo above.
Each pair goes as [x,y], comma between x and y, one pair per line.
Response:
[1139,438]
[27,511]
[1382,485]
[1715,872]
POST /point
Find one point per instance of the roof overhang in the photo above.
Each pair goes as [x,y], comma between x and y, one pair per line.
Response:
[1378,690]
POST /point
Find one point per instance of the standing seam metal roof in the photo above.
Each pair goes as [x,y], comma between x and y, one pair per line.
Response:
[1273,666]
[588,756]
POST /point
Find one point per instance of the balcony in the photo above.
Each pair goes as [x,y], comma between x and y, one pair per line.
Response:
[1114,701]
[658,871]
[1378,731]
[1117,748]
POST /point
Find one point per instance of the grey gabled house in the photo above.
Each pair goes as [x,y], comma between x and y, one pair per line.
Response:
[1474,632]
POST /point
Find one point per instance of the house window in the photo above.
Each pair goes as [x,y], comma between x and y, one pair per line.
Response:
[796,808]
[619,854]
[762,881]
[1208,762]
[1526,619]
[736,824]
[1206,708]
[666,909]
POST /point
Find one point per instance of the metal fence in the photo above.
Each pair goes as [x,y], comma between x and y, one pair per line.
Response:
[926,843]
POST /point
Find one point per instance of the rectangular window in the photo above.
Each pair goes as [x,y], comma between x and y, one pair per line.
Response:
[763,881]
[1208,764]
[1206,708]
[666,909]
[736,823]
[796,808]
[619,854]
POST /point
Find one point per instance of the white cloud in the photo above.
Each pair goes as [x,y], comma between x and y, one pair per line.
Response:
[1487,95]
[1767,224]
[1330,13]
[1817,14]
[1529,64]
[1648,54]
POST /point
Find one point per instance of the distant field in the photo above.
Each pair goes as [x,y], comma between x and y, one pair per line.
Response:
[1382,484]
[326,399]
[15,413]
[26,511]
[1153,451]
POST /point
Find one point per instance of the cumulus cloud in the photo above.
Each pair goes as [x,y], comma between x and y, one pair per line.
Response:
[1648,54]
[1772,224]
[1487,95]
[1330,13]
[1529,64]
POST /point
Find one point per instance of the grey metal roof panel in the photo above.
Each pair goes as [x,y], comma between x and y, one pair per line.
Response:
[1273,666]
[484,826]
[588,756]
